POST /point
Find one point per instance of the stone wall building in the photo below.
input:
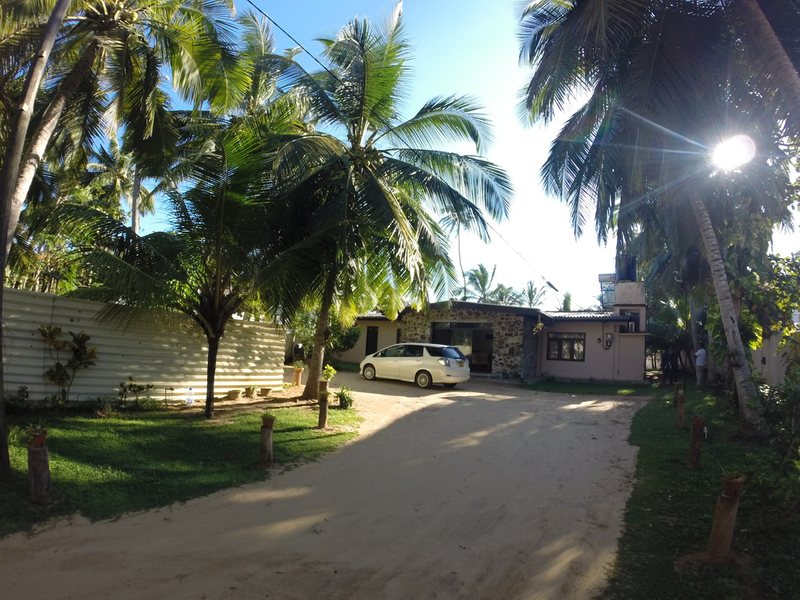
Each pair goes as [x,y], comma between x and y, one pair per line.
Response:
[514,342]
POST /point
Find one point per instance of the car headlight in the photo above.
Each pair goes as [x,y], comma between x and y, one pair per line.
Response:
[444,362]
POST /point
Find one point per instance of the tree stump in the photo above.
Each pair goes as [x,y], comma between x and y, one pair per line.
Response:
[323,411]
[39,473]
[695,442]
[719,544]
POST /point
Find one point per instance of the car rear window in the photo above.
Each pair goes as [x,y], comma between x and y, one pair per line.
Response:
[447,352]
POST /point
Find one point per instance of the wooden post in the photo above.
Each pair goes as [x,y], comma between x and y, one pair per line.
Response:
[266,441]
[323,411]
[719,544]
[695,442]
[39,473]
[680,399]
[298,376]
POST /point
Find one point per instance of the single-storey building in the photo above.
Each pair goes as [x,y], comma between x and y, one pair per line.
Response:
[516,342]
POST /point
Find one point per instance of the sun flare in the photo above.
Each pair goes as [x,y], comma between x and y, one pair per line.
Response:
[733,153]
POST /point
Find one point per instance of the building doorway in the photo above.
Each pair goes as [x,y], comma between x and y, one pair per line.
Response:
[475,340]
[372,340]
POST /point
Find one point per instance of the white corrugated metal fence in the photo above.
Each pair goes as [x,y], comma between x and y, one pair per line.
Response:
[164,352]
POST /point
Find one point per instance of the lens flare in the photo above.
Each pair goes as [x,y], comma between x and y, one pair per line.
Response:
[733,153]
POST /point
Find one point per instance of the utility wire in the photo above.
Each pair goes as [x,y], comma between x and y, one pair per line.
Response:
[389,128]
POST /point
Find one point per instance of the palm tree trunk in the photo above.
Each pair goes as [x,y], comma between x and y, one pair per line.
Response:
[694,334]
[211,372]
[773,53]
[461,264]
[137,188]
[15,145]
[745,388]
[320,338]
[43,134]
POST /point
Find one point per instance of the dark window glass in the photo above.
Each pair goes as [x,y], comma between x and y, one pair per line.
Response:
[413,351]
[566,346]
[452,353]
[393,351]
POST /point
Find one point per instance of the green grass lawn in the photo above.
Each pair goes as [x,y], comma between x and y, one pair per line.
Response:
[104,467]
[670,511]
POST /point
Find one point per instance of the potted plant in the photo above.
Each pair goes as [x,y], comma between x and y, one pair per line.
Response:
[328,373]
[250,391]
[265,391]
[299,365]
[234,394]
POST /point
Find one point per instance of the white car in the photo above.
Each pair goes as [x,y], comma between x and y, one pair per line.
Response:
[424,364]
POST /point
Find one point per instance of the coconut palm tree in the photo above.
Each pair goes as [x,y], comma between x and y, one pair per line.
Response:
[503,294]
[108,43]
[657,76]
[481,282]
[96,37]
[532,295]
[378,176]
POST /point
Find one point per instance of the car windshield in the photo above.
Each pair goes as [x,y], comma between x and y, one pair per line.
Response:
[447,352]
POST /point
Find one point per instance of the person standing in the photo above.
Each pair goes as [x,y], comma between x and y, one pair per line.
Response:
[700,359]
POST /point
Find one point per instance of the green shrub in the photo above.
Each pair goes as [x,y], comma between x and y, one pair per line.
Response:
[345,397]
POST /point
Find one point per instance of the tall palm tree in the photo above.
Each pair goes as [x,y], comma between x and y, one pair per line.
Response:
[481,282]
[533,295]
[188,36]
[104,42]
[377,176]
[658,75]
[19,30]
[503,294]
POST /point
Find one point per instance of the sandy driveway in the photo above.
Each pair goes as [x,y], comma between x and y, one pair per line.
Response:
[483,491]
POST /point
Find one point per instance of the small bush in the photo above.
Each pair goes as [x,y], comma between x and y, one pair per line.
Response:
[345,397]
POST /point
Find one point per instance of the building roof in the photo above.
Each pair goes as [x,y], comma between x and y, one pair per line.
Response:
[547,317]
[373,315]
[584,315]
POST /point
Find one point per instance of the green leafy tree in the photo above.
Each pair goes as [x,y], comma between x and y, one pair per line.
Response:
[480,283]
[101,38]
[566,303]
[233,241]
[658,74]
[533,295]
[377,182]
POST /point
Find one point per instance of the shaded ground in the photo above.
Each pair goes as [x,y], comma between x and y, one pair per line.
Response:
[483,491]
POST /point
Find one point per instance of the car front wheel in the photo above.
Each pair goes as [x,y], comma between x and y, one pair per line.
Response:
[423,379]
[368,372]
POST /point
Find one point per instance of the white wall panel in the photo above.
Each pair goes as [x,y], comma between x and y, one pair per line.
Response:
[163,350]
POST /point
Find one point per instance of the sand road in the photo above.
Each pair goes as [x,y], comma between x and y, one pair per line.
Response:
[482,491]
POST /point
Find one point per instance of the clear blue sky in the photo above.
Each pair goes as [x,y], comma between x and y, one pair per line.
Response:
[470,47]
